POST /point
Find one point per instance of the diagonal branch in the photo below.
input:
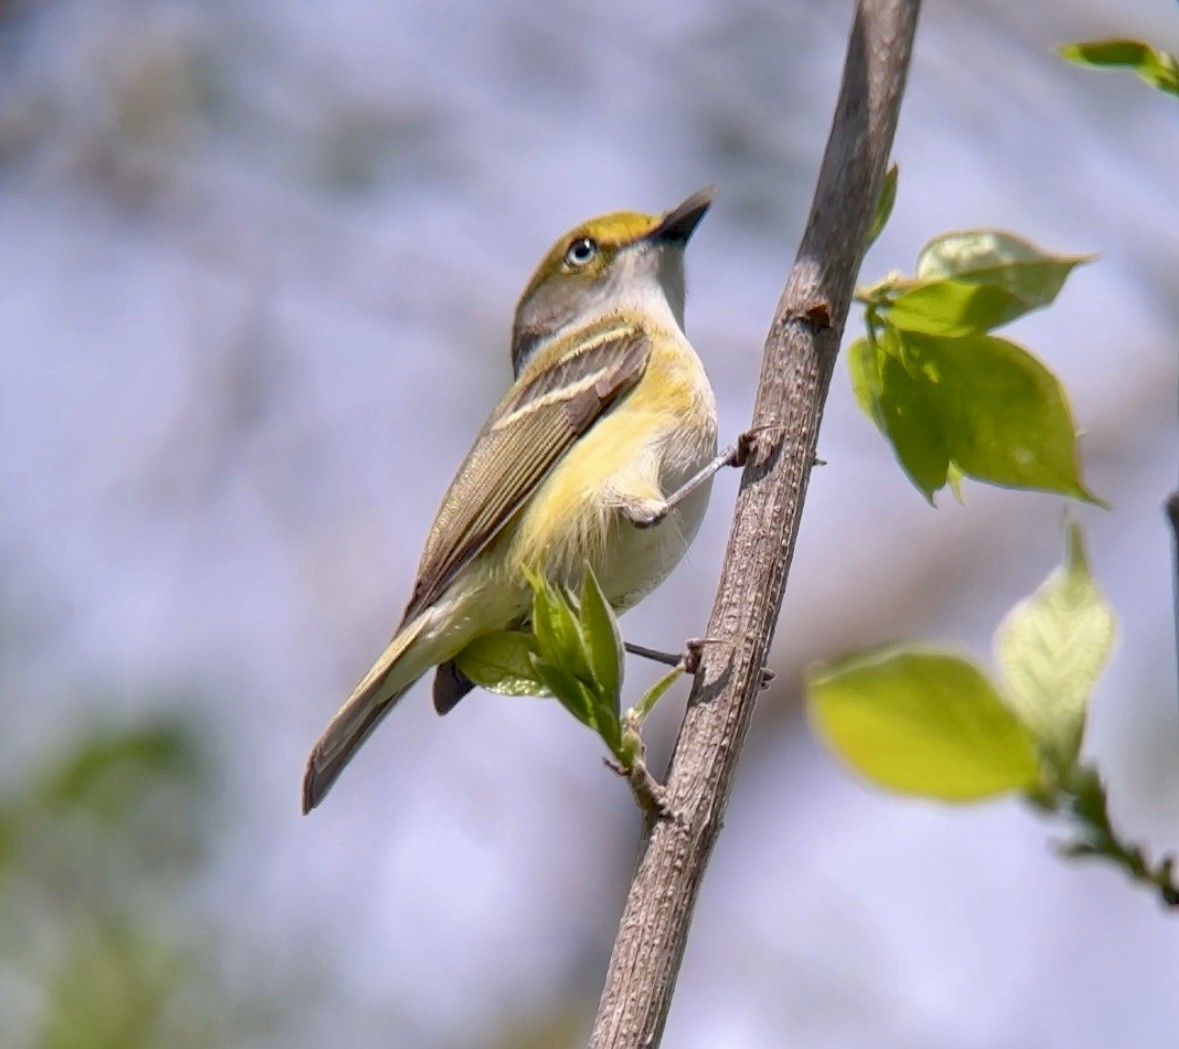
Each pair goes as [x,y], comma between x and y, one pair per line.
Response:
[1171,507]
[800,353]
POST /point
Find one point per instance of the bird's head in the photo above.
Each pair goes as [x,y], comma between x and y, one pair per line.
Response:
[624,259]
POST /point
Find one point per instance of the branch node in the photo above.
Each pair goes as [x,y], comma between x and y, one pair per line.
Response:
[764,440]
[815,312]
[650,795]
[694,649]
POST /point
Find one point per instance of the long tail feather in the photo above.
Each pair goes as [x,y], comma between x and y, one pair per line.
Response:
[389,679]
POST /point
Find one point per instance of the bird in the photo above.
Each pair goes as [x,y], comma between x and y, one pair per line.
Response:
[601,453]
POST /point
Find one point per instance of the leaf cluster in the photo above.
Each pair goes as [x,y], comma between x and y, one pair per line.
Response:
[931,723]
[571,649]
[954,399]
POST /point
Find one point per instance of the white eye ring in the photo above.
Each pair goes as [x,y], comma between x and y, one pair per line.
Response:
[581,252]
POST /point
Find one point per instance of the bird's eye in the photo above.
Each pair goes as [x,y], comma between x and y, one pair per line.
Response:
[581,252]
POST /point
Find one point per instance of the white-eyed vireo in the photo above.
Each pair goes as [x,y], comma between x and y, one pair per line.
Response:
[602,452]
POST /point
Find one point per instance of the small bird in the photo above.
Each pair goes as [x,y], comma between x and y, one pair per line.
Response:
[602,453]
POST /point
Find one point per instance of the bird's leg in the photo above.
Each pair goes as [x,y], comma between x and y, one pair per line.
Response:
[689,659]
[669,659]
[694,647]
[651,512]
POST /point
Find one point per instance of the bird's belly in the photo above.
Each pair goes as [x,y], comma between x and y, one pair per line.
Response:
[577,516]
[636,560]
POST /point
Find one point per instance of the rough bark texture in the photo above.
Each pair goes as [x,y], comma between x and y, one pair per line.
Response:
[800,353]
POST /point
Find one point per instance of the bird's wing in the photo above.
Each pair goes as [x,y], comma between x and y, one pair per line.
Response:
[555,400]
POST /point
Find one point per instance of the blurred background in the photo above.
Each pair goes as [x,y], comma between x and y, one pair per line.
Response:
[257,267]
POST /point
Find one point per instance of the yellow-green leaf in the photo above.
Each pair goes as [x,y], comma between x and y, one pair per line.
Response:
[951,307]
[1052,646]
[954,478]
[922,722]
[653,695]
[884,204]
[1157,68]
[863,364]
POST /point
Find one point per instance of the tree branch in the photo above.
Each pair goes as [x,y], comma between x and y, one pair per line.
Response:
[1171,506]
[800,353]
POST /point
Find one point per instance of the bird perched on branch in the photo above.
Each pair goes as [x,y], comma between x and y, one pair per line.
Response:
[601,452]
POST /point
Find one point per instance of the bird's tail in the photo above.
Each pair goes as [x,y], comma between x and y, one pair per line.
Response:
[398,667]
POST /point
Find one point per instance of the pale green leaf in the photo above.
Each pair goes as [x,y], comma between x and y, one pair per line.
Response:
[501,662]
[564,662]
[646,703]
[599,627]
[558,634]
[951,307]
[1052,646]
[1029,276]
[922,722]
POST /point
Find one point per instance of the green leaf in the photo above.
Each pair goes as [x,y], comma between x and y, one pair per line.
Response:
[1029,276]
[572,694]
[599,627]
[950,307]
[1052,647]
[884,205]
[501,662]
[912,424]
[578,655]
[863,363]
[638,713]
[557,631]
[607,723]
[1004,416]
[1157,68]
[900,407]
[581,700]
[976,406]
[922,722]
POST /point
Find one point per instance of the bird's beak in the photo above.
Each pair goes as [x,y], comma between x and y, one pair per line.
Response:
[679,224]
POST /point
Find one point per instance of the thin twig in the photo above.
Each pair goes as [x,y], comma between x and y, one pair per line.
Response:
[800,354]
[1172,509]
[1081,799]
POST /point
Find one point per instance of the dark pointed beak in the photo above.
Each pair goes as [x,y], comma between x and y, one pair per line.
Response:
[680,223]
